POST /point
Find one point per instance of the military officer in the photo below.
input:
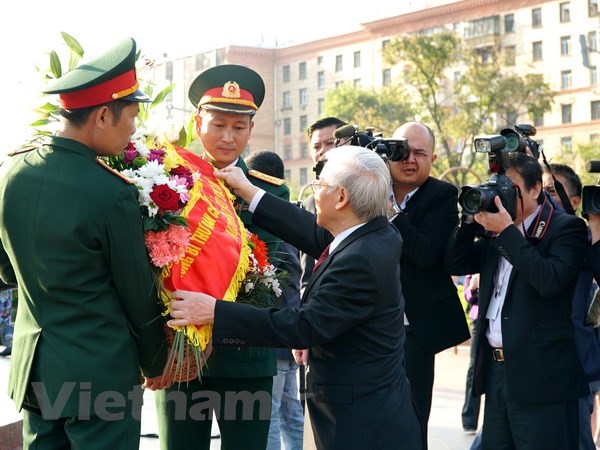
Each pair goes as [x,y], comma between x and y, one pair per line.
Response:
[227,98]
[88,321]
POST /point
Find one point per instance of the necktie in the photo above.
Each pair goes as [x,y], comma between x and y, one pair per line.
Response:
[322,258]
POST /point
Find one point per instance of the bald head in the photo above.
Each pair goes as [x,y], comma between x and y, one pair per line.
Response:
[409,127]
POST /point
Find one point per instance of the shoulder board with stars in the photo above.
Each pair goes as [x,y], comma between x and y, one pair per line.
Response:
[266,178]
[114,172]
[21,150]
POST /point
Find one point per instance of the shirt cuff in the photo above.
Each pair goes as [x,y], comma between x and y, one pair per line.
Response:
[254,202]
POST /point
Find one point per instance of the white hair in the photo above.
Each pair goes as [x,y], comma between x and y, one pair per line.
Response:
[364,175]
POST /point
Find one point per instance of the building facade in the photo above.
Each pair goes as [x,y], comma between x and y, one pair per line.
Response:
[558,39]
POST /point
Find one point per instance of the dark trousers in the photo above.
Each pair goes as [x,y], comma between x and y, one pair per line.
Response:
[511,426]
[420,366]
[242,407]
[470,411]
[72,432]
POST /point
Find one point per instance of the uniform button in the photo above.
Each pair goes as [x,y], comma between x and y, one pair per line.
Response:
[224,341]
[243,341]
[237,341]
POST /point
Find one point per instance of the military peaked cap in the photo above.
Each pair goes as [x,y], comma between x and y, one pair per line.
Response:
[110,76]
[228,88]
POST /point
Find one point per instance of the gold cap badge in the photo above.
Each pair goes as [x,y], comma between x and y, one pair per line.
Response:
[231,90]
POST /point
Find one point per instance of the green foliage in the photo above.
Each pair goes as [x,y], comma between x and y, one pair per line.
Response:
[384,109]
[577,159]
[460,109]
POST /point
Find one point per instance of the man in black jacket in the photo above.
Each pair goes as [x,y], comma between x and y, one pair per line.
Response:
[434,315]
[526,362]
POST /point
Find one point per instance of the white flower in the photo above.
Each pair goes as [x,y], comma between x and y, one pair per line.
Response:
[154,171]
[249,286]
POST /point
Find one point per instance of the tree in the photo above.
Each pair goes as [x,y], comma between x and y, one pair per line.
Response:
[482,89]
[384,109]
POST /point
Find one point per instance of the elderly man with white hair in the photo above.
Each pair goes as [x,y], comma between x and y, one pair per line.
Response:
[351,317]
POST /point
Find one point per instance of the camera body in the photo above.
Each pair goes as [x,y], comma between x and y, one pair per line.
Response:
[519,137]
[474,199]
[388,149]
[590,196]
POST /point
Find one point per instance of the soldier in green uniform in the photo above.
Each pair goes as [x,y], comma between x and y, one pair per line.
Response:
[227,97]
[88,324]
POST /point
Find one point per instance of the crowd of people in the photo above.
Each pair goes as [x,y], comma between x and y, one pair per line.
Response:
[369,300]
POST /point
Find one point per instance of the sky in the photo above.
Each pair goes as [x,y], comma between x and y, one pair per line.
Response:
[29,29]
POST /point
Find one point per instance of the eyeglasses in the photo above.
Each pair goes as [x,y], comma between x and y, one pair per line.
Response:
[317,186]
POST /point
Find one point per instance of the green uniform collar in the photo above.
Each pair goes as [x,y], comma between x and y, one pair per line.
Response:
[71,145]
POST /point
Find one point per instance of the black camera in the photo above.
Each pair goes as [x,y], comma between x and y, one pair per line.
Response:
[474,199]
[519,137]
[388,149]
[590,197]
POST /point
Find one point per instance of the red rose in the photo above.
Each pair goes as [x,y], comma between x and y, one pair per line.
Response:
[165,198]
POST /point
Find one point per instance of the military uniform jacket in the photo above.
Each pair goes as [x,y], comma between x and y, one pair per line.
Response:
[71,237]
[248,362]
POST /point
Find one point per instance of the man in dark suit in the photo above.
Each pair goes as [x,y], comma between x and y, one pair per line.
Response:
[351,317]
[227,98]
[89,321]
[321,140]
[428,212]
[526,362]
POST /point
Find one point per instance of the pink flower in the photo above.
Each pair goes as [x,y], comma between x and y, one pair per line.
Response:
[130,153]
[167,246]
[183,172]
[157,154]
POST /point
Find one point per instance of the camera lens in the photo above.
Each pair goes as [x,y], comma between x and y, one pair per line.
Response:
[512,142]
[475,199]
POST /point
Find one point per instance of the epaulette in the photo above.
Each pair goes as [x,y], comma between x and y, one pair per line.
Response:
[21,150]
[114,172]
[267,178]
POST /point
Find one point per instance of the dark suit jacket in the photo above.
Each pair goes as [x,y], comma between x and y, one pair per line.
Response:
[541,364]
[307,262]
[71,237]
[248,362]
[433,308]
[351,319]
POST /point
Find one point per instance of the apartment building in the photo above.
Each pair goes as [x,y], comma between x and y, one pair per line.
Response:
[556,38]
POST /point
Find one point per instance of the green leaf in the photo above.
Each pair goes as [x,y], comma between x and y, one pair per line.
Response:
[73,44]
[161,95]
[55,66]
[50,107]
[42,122]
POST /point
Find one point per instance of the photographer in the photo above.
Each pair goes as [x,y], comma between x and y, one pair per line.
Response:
[434,317]
[526,362]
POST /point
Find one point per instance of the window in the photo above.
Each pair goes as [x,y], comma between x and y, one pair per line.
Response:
[303,123]
[320,106]
[339,84]
[592,8]
[565,45]
[566,113]
[357,83]
[509,23]
[488,26]
[303,95]
[593,76]
[286,101]
[538,120]
[339,63]
[286,74]
[592,41]
[456,76]
[321,79]
[319,60]
[386,78]
[302,71]
[385,43]
[356,60]
[287,151]
[304,150]
[303,177]
[594,137]
[537,50]
[286,174]
[565,12]
[202,61]
[536,17]
[287,126]
[510,54]
[566,144]
[565,79]
[595,110]
[169,71]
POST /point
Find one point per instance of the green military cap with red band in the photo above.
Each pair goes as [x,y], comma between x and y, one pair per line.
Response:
[110,76]
[228,88]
